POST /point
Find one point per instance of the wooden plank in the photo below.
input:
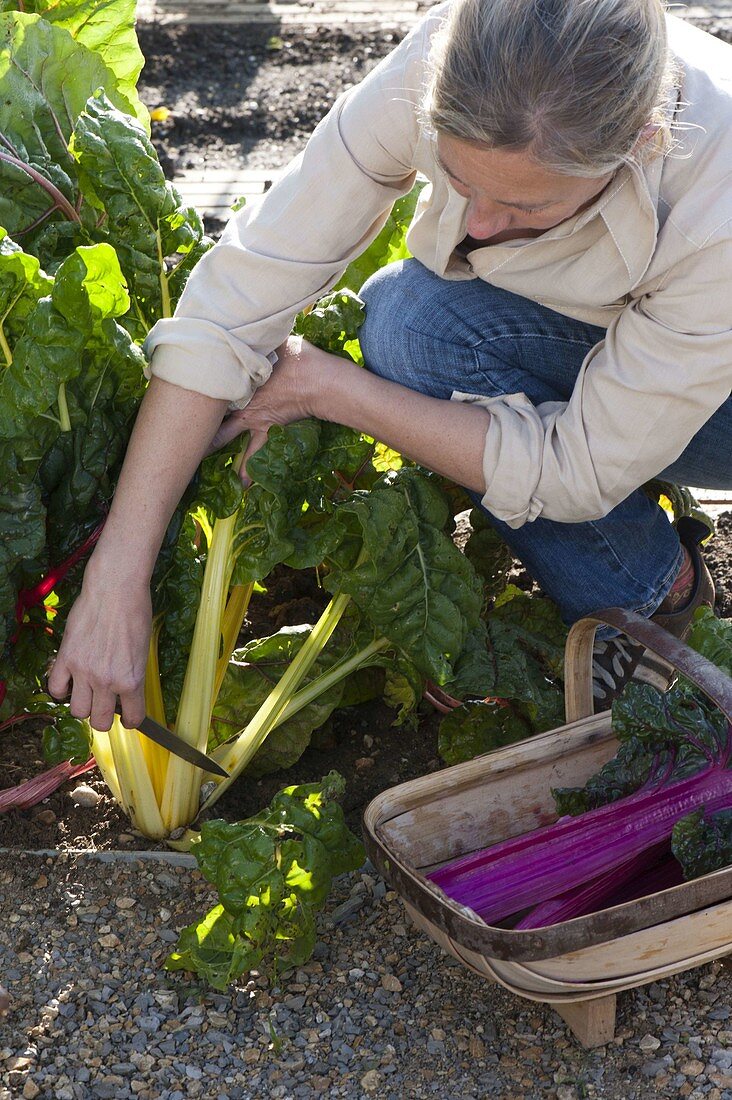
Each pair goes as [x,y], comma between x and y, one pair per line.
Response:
[389,13]
[319,12]
[646,953]
[593,1022]
[238,175]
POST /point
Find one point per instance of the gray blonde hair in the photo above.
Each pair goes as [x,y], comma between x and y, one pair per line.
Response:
[575,83]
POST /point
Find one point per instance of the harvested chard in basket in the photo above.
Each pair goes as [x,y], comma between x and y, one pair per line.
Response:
[670,782]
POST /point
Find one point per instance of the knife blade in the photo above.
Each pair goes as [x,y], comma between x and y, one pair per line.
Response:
[164,737]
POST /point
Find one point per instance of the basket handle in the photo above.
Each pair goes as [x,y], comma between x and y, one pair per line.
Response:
[578,700]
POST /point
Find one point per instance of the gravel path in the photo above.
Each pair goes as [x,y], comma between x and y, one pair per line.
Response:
[378,1011]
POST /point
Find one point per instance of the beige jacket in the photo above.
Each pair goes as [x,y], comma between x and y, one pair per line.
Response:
[651,259]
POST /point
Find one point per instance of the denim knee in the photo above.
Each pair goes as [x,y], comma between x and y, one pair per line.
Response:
[403,337]
[385,295]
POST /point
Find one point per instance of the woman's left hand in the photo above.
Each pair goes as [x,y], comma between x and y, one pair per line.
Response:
[290,393]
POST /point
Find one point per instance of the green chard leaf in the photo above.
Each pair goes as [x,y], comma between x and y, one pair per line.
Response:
[390,244]
[67,739]
[625,773]
[272,872]
[176,590]
[143,216]
[257,667]
[403,690]
[105,26]
[479,727]
[52,75]
[674,734]
[526,651]
[333,322]
[489,554]
[412,583]
[22,284]
[712,637]
[22,532]
[289,514]
[25,664]
[702,843]
[88,293]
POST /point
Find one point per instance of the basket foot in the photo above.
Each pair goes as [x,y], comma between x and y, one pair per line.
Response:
[592,1022]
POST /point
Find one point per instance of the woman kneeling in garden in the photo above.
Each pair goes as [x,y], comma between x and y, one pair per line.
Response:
[561,336]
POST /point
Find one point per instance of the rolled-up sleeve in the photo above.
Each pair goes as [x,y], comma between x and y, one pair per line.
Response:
[282,252]
[641,396]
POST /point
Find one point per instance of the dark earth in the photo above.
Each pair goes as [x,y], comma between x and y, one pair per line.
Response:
[248,96]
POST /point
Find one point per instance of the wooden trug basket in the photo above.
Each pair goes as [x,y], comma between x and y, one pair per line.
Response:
[580,965]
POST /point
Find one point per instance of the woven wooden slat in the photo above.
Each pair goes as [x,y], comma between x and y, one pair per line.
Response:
[335,12]
[306,12]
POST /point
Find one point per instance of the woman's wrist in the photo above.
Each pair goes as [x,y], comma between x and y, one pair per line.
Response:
[115,567]
[333,389]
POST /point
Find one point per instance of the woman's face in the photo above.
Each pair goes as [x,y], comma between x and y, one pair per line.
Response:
[509,192]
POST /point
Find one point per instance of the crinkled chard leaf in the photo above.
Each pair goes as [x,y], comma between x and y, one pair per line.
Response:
[289,514]
[22,284]
[479,727]
[272,872]
[665,736]
[256,668]
[332,322]
[77,473]
[67,739]
[403,690]
[526,650]
[676,720]
[176,590]
[145,220]
[22,532]
[712,637]
[87,292]
[628,770]
[390,244]
[488,553]
[702,843]
[412,583]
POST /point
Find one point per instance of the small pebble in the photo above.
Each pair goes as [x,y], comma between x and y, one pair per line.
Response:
[391,983]
[371,1081]
[692,1068]
[85,796]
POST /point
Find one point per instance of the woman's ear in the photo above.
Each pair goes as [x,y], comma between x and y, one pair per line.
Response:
[649,132]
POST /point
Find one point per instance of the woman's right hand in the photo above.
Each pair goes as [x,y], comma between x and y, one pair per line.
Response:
[104,650]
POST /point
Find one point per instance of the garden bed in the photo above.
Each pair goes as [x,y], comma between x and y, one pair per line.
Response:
[361,742]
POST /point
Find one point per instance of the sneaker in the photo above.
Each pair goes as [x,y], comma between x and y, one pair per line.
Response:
[619,660]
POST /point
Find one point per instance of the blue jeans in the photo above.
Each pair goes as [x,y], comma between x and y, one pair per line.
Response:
[436,335]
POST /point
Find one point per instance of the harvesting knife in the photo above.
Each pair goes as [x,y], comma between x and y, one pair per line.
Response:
[175,744]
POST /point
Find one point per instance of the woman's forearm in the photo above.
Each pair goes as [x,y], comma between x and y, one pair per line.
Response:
[104,648]
[445,436]
[173,430]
